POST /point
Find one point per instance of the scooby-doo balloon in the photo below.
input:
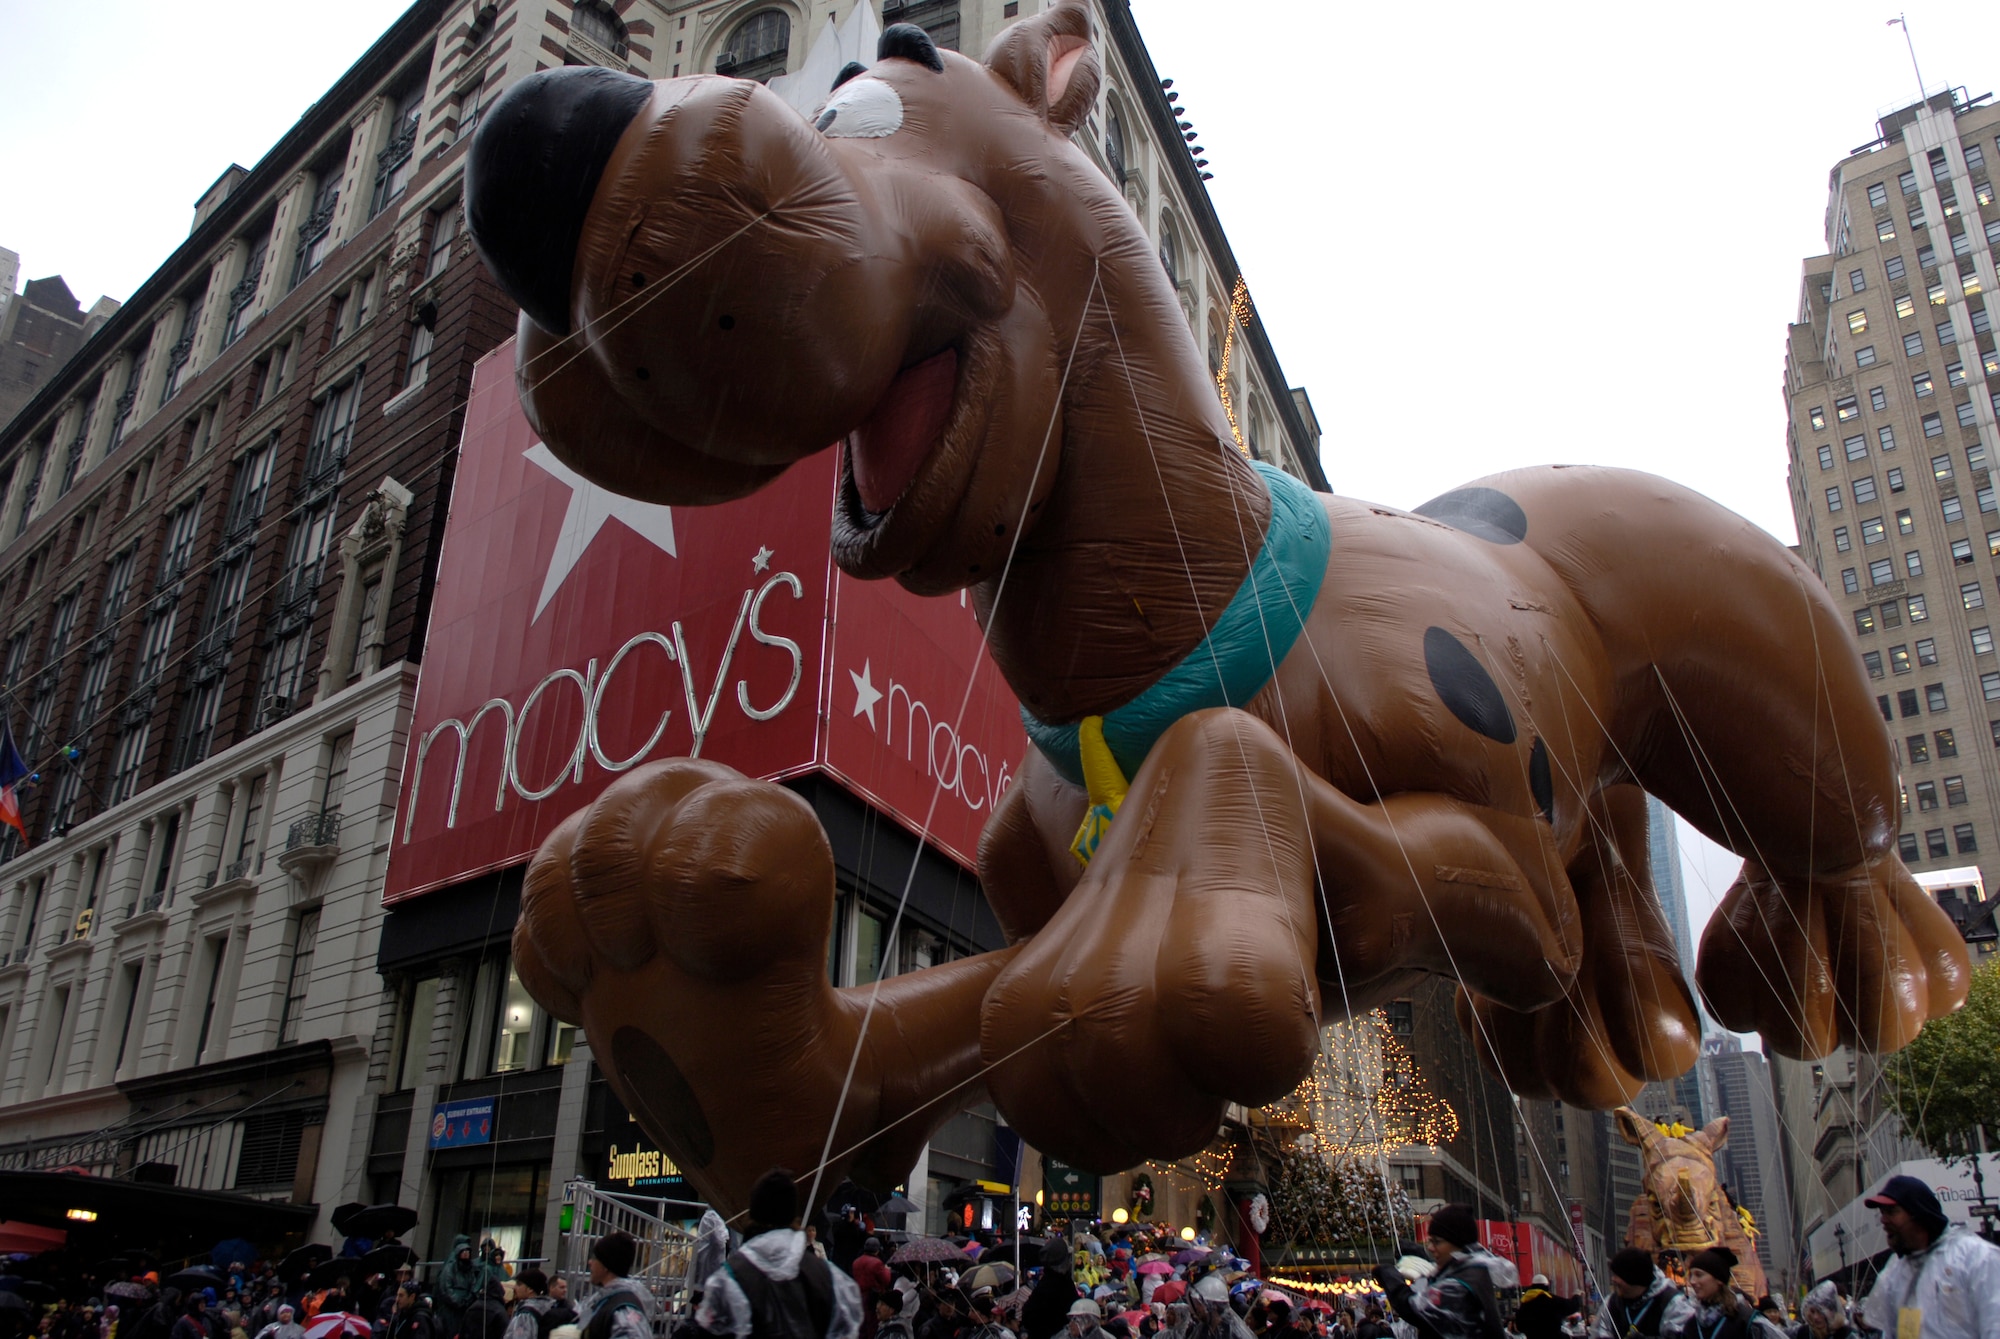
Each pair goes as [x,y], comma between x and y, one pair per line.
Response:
[1309,748]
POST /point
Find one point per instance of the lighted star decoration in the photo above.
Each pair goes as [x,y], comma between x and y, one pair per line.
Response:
[589,508]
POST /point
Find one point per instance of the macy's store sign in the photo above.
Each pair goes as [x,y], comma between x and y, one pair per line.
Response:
[576,634]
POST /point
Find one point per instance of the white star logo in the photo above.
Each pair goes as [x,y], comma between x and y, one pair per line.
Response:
[866,694]
[589,508]
[763,558]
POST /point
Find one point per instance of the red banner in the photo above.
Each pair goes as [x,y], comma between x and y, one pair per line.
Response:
[575,634]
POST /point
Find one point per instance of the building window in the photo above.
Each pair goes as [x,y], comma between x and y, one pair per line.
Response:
[1954,791]
[1934,699]
[1972,595]
[1975,157]
[251,834]
[1840,540]
[1865,356]
[758,47]
[422,340]
[1899,659]
[1833,498]
[305,934]
[1927,651]
[1114,145]
[1878,195]
[1856,447]
[1873,660]
[244,296]
[1864,619]
[1913,344]
[1825,457]
[1906,306]
[1918,747]
[1946,336]
[1966,416]
[1927,798]
[1893,266]
[1873,531]
[1947,744]
[1941,466]
[1962,834]
[1881,572]
[1906,703]
[444,231]
[1934,841]
[1907,849]
[1882,705]
[415,1021]
[1989,687]
[1922,385]
[1846,407]
[1850,582]
[316,233]
[1896,479]
[1926,258]
[1857,322]
[1953,509]
[367,626]
[1906,524]
[397,162]
[1817,416]
[1857,281]
[1885,228]
[127,757]
[1170,261]
[1918,611]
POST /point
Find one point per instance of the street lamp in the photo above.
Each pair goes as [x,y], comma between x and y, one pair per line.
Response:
[1840,1240]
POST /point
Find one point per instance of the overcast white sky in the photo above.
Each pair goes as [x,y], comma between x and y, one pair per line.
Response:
[1481,235]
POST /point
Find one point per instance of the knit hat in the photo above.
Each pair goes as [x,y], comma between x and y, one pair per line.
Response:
[1715,1261]
[774,1200]
[616,1252]
[1456,1224]
[1634,1266]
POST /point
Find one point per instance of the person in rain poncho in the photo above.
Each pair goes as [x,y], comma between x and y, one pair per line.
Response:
[1824,1315]
[284,1327]
[1085,1317]
[1458,1301]
[1209,1314]
[771,1287]
[623,1307]
[1721,1312]
[1943,1279]
[460,1283]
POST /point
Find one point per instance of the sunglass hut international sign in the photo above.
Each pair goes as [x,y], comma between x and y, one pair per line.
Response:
[576,635]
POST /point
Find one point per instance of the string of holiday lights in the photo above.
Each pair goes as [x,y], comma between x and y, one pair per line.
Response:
[1239,314]
[1365,1097]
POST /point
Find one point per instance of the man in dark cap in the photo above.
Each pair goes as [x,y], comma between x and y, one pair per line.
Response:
[772,1287]
[1944,1282]
[1644,1303]
[1458,1301]
[623,1307]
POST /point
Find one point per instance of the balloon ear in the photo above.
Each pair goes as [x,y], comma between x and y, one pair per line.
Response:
[1051,62]
[1635,1128]
[1712,1135]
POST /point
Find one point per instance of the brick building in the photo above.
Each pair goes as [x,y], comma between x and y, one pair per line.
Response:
[40,327]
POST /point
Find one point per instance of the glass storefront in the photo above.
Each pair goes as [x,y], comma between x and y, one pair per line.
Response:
[505,1203]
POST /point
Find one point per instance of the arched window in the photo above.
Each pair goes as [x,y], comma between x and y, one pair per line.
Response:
[1170,253]
[594,21]
[1114,143]
[758,47]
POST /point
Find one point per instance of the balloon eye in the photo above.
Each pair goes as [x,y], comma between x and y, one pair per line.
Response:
[861,109]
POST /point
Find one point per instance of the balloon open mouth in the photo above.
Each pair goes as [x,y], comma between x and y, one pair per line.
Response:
[886,451]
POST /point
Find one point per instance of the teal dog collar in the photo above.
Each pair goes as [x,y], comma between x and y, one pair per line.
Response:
[1241,652]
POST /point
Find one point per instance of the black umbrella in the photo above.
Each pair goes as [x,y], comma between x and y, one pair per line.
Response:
[124,1291]
[326,1275]
[296,1265]
[343,1218]
[194,1280]
[386,1259]
[847,1195]
[377,1220]
[15,1302]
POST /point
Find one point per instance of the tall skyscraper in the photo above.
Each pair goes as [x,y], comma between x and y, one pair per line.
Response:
[1891,381]
[1663,857]
[1752,1164]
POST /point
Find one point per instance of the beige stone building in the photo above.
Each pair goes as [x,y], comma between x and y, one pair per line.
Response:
[1892,383]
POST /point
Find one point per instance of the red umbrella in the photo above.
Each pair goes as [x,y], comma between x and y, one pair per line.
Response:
[1155,1267]
[1133,1318]
[338,1325]
[1316,1304]
[1171,1291]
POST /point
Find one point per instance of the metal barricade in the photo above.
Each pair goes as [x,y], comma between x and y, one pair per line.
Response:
[666,1249]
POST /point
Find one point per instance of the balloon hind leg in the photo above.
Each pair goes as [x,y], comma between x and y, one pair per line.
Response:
[683,919]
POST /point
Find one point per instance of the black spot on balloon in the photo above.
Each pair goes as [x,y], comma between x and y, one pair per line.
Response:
[641,373]
[661,1098]
[851,70]
[826,118]
[1465,687]
[911,43]
[1485,513]
[1540,782]
[727,322]
[638,281]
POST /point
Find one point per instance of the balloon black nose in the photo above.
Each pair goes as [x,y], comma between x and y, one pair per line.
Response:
[534,166]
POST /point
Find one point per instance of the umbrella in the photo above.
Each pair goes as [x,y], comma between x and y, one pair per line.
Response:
[898,1203]
[379,1220]
[1190,1255]
[1014,1299]
[1171,1291]
[194,1280]
[386,1259]
[123,1291]
[233,1251]
[300,1262]
[343,1217]
[847,1195]
[1316,1304]
[1133,1318]
[999,1277]
[15,1302]
[331,1272]
[928,1251]
[338,1325]
[1155,1267]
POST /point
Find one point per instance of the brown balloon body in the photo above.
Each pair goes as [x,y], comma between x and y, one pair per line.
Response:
[1444,774]
[1683,1207]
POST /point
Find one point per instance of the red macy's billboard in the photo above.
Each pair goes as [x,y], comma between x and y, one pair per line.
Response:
[576,634]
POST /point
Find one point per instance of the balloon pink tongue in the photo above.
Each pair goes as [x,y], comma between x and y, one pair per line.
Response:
[887,450]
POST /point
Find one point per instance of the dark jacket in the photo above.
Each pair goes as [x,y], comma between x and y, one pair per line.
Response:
[419,1322]
[1541,1312]
[1458,1301]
